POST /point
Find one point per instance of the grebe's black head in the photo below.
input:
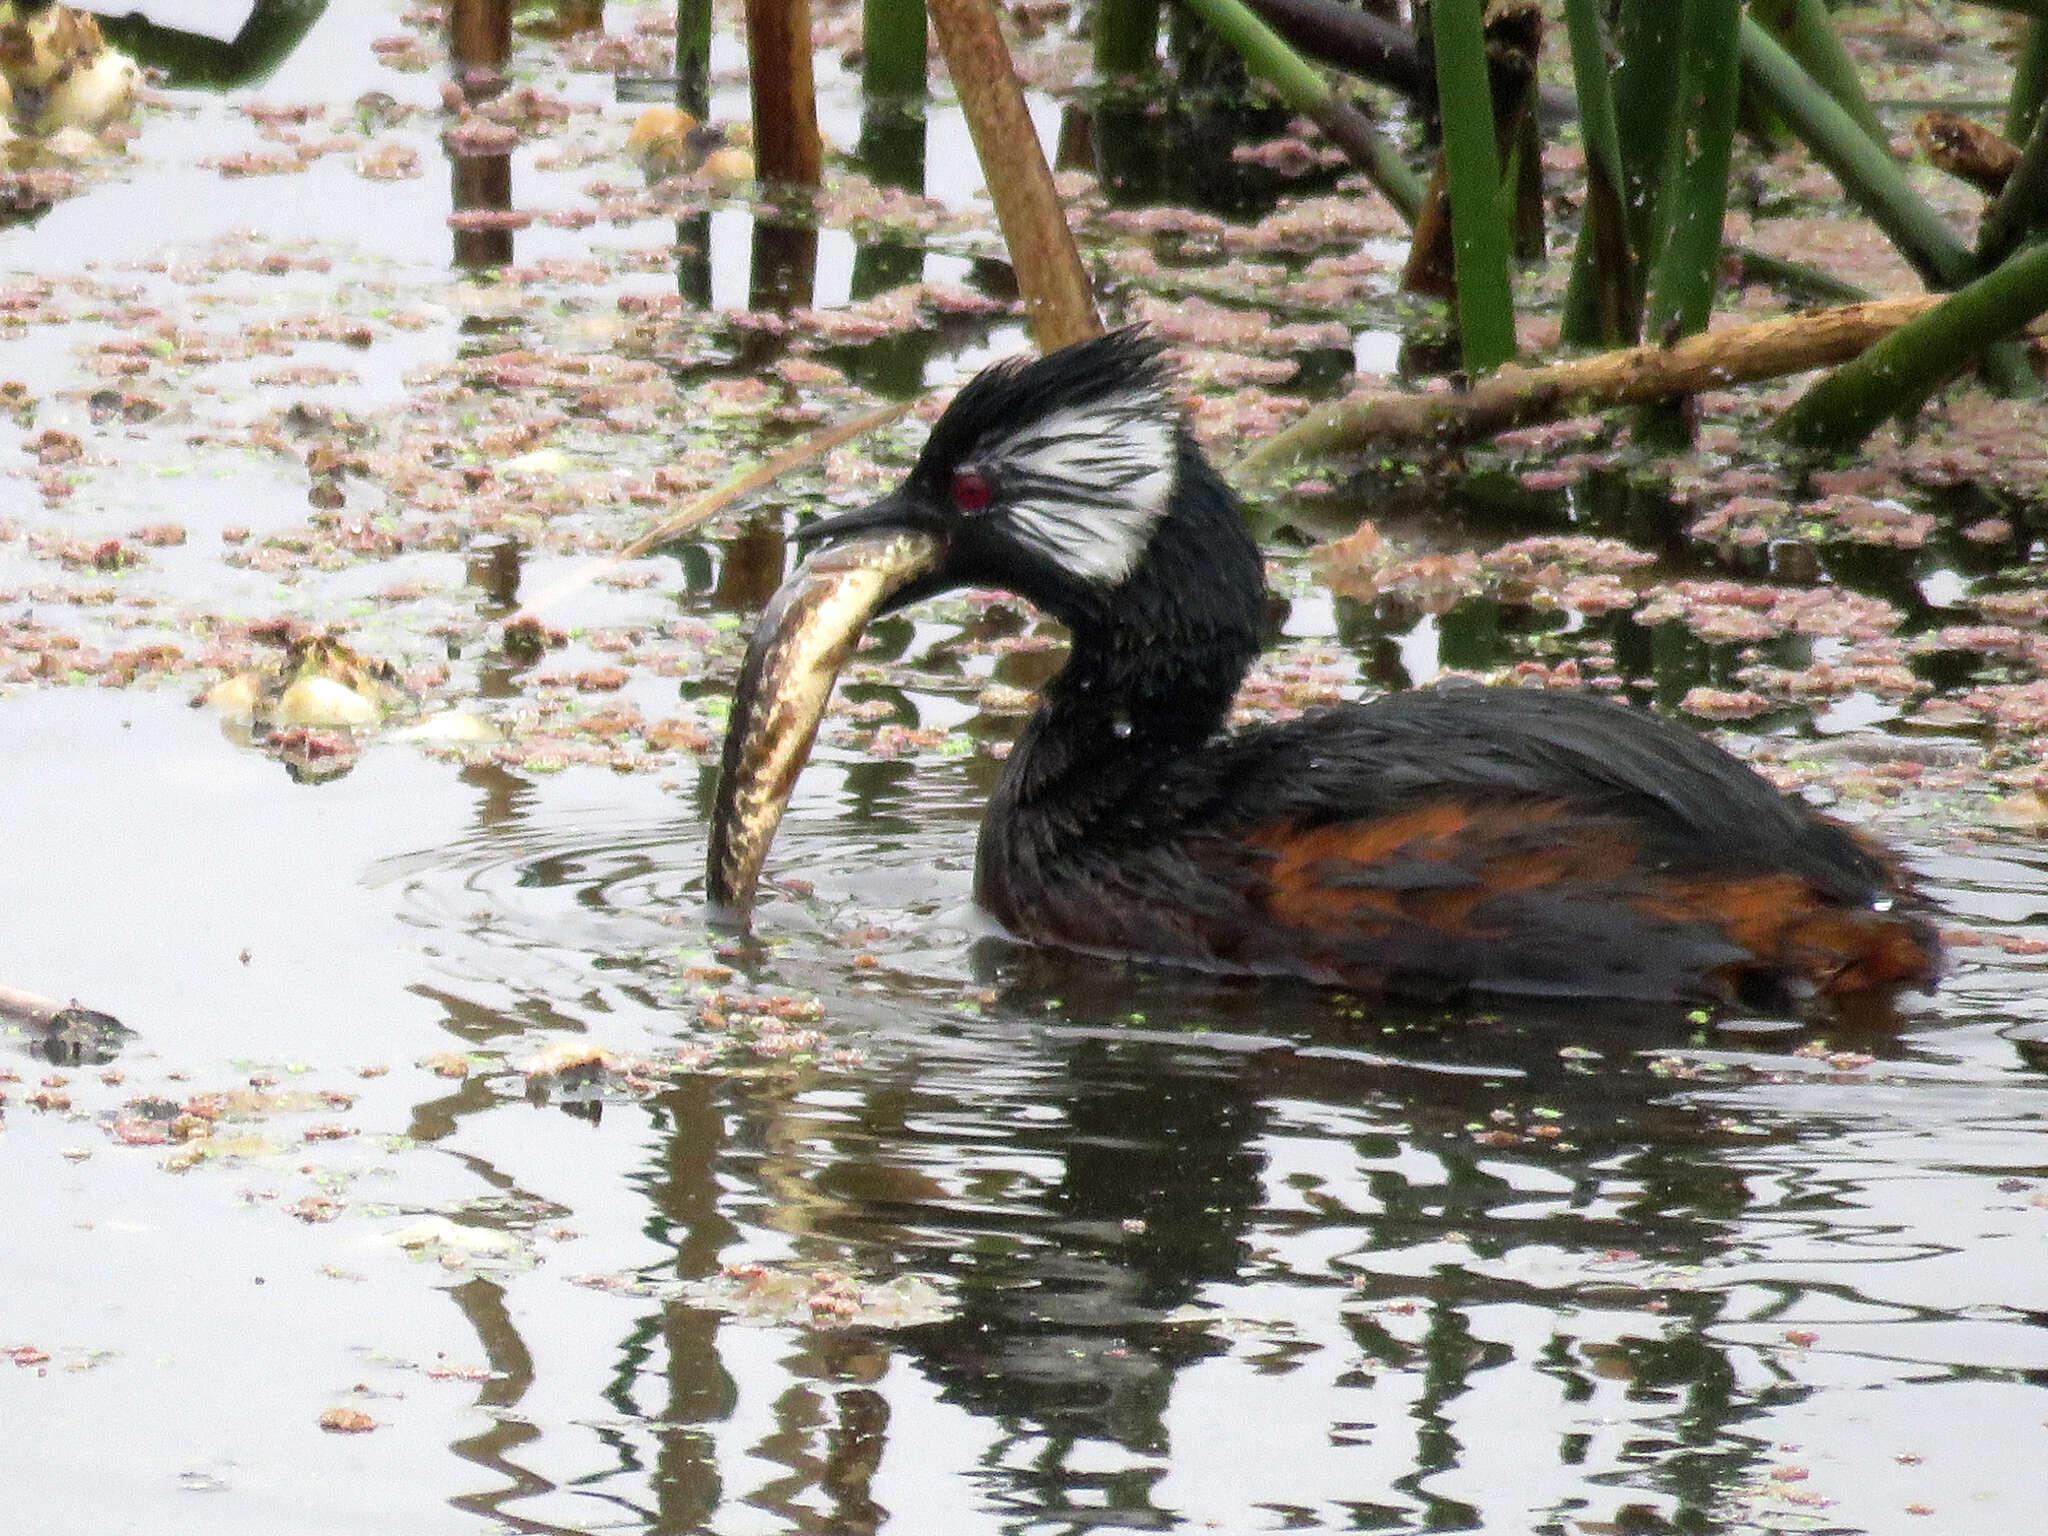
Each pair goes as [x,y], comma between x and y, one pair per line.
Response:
[1070,481]
[1057,478]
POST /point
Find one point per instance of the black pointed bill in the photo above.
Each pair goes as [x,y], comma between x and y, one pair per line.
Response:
[807,631]
[890,514]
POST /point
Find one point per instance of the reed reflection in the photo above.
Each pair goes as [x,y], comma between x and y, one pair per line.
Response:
[1080,1195]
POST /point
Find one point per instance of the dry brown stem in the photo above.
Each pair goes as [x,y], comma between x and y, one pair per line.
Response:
[787,147]
[1521,397]
[31,1007]
[480,33]
[1042,251]
[715,501]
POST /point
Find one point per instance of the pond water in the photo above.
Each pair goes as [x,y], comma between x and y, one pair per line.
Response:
[584,1219]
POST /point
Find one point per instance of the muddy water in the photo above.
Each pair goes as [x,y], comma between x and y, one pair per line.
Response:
[989,1240]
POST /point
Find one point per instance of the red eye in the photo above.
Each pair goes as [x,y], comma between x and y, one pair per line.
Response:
[971,490]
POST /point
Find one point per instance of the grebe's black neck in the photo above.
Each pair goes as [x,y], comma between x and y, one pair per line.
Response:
[1154,664]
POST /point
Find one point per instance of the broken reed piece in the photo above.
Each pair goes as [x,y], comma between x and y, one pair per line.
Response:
[1520,397]
[714,501]
[1966,150]
[45,1012]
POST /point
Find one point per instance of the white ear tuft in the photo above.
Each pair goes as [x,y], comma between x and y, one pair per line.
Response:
[1086,486]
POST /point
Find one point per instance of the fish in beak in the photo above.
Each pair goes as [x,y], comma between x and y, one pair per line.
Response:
[807,631]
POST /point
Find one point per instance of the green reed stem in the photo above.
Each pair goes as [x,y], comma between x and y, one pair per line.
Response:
[1688,265]
[693,57]
[893,41]
[1808,35]
[1304,89]
[2021,209]
[1480,233]
[1796,277]
[1870,176]
[1126,38]
[1603,303]
[1896,376]
[1645,89]
[2029,83]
